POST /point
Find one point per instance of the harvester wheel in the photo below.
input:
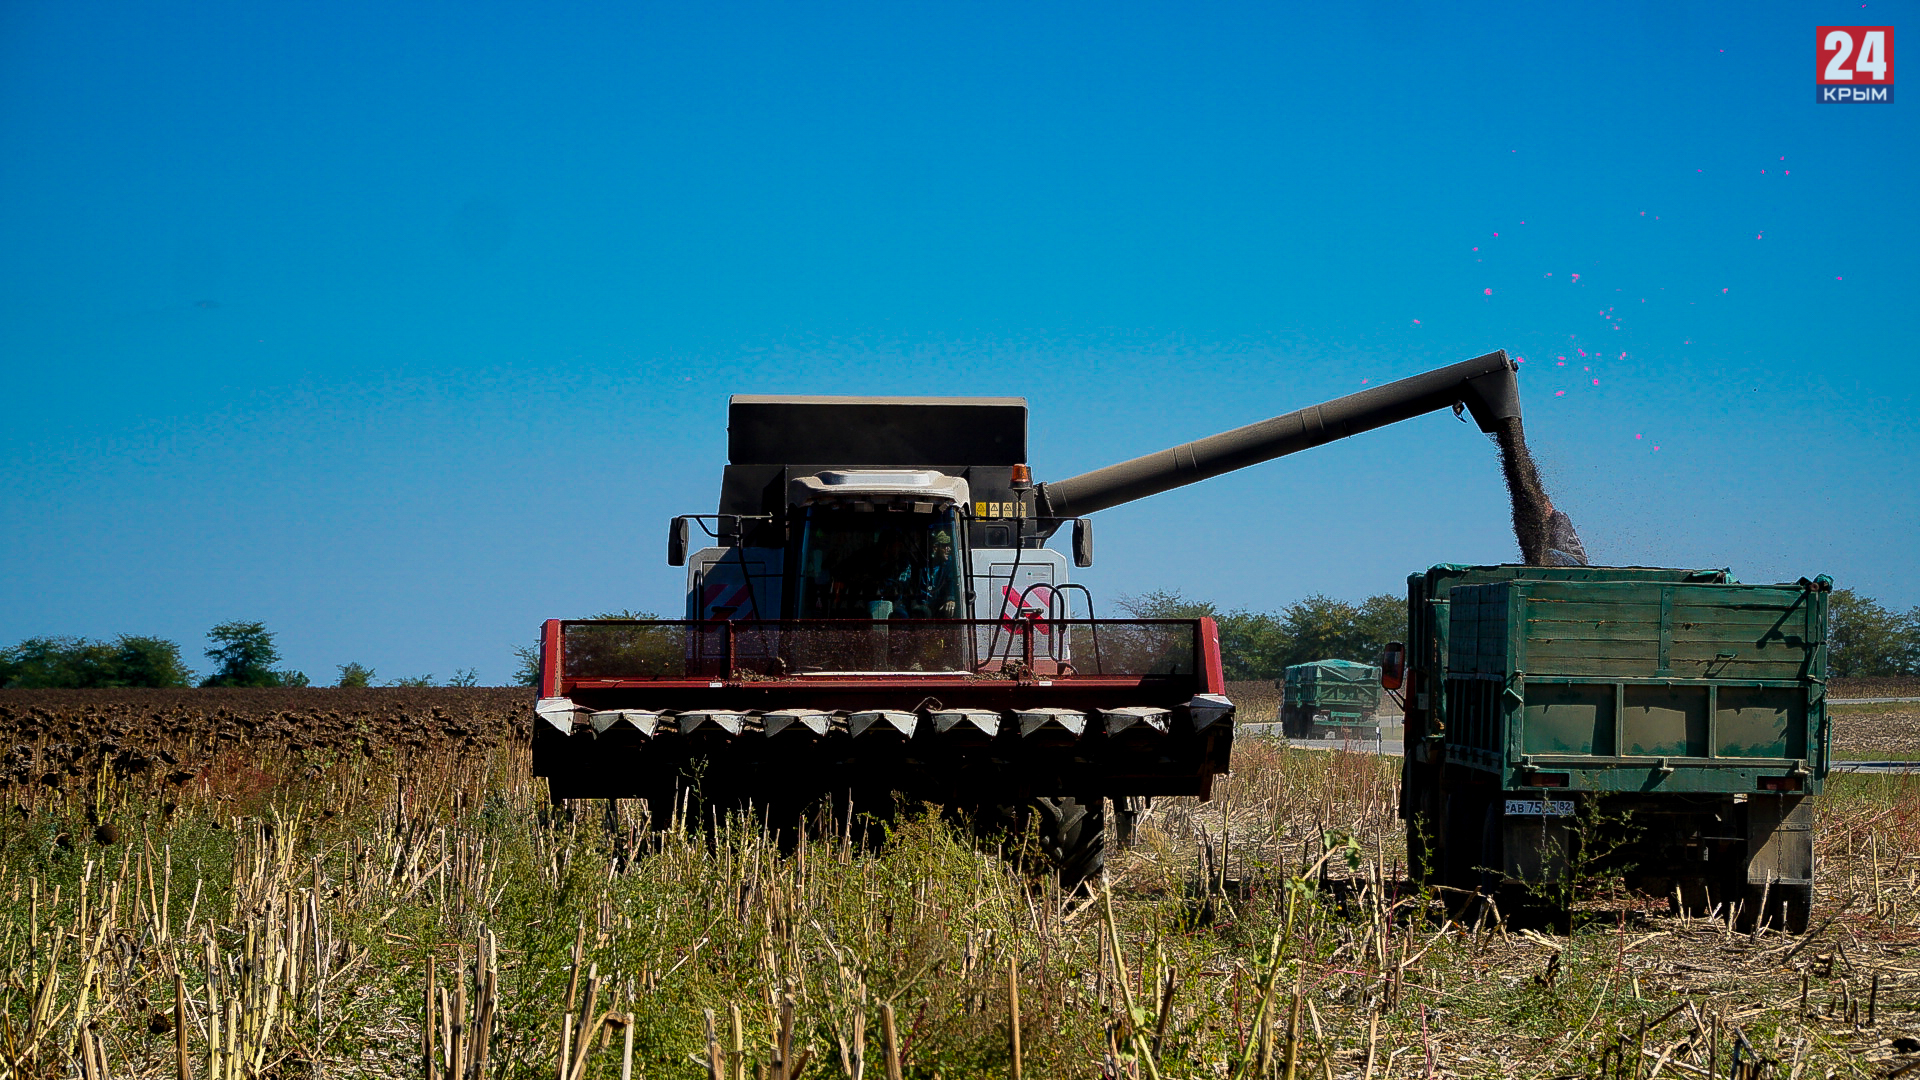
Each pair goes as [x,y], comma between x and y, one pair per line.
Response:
[1073,832]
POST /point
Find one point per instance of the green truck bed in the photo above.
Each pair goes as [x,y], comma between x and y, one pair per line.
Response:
[1639,685]
[1343,690]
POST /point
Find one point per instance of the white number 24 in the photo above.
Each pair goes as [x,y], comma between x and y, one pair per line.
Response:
[1873,55]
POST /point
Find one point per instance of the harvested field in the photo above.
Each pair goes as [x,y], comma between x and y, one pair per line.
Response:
[1897,686]
[1876,732]
[293,906]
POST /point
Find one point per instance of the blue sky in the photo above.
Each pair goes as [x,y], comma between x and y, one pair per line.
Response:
[403,326]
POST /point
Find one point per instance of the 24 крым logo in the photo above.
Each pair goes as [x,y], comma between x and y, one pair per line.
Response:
[1853,65]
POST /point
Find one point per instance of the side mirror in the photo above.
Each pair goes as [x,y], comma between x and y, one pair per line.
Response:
[677,538]
[1393,665]
[1082,542]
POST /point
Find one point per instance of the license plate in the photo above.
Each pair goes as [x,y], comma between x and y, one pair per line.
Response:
[1540,807]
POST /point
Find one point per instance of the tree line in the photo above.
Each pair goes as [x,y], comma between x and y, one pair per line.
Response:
[1864,640]
[1263,644]
[243,654]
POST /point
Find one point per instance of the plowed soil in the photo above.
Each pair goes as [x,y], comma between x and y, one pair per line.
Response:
[48,737]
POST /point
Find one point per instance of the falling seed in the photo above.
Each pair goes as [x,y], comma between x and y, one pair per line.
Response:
[1836,277]
[1559,393]
[1576,279]
[1489,292]
[1723,292]
[1596,382]
[1416,322]
[1363,382]
[1636,436]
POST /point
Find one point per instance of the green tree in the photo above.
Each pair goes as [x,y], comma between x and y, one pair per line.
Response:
[71,662]
[1320,628]
[53,662]
[1252,644]
[245,655]
[1865,640]
[148,661]
[1262,645]
[355,676]
[526,671]
[464,677]
[413,681]
[1167,604]
[1383,618]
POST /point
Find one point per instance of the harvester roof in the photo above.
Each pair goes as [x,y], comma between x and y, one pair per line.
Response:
[865,432]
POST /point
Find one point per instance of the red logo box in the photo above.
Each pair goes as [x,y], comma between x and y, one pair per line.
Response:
[1853,64]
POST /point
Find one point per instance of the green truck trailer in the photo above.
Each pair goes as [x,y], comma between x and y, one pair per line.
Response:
[1666,726]
[1330,699]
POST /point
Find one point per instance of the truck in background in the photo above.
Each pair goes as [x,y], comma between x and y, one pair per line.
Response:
[1330,699]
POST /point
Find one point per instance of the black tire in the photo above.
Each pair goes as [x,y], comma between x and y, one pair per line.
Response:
[1696,897]
[1462,822]
[1524,905]
[1787,907]
[1073,833]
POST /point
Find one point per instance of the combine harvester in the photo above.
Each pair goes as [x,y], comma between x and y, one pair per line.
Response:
[880,617]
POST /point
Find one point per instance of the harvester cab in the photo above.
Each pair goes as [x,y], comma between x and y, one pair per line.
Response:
[878,614]
[889,510]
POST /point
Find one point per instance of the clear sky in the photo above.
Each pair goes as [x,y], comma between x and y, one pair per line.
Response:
[402,327]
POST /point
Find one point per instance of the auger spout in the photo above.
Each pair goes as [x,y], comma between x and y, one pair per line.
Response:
[1485,385]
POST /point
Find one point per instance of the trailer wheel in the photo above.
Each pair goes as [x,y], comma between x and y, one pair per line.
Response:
[1787,907]
[1538,904]
[1695,897]
[1073,832]
[1463,821]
